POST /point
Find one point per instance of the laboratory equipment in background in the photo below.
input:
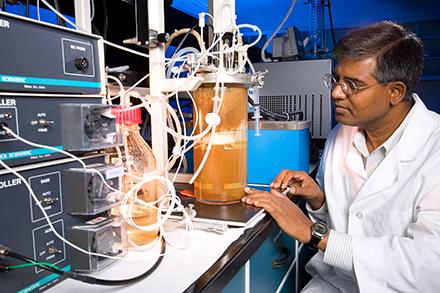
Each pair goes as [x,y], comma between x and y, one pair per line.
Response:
[224,174]
[289,46]
[280,145]
[294,86]
[297,86]
[317,32]
[138,161]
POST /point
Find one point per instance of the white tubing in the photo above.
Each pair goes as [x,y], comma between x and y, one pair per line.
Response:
[255,29]
[127,196]
[184,31]
[181,53]
[263,50]
[121,88]
[205,158]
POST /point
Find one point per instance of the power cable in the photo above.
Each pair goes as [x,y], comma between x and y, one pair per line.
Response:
[105,10]
[330,16]
[26,265]
[60,21]
[277,116]
[6,252]
[28,260]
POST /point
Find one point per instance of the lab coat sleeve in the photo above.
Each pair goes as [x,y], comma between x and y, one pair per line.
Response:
[339,251]
[403,264]
[321,214]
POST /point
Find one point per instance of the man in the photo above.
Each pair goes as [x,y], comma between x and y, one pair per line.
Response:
[379,176]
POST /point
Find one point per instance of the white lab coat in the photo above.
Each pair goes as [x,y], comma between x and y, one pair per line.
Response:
[393,216]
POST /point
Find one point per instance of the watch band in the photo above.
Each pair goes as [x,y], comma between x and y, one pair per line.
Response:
[319,230]
[314,240]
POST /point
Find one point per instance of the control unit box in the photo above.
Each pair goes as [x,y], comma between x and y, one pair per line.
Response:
[25,230]
[43,58]
[75,123]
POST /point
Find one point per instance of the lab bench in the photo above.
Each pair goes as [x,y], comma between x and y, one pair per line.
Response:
[261,256]
[256,260]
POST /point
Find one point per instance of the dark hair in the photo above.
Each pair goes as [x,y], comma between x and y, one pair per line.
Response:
[398,53]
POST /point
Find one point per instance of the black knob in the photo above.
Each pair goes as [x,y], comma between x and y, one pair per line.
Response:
[163,37]
[81,63]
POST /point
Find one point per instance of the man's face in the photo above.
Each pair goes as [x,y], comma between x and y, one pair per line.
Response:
[366,107]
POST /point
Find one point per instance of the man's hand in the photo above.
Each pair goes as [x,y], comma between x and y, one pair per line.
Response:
[287,214]
[301,184]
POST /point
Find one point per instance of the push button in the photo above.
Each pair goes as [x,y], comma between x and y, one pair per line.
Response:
[359,215]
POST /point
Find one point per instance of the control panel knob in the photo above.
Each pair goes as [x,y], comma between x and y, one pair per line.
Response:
[81,63]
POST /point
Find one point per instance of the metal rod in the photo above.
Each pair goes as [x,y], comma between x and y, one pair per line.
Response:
[286,276]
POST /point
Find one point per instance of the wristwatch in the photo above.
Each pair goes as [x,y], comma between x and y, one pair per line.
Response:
[319,230]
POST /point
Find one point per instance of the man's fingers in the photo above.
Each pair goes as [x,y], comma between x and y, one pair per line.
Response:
[257,195]
[288,177]
[277,193]
[250,190]
[260,200]
[286,181]
[293,190]
[276,183]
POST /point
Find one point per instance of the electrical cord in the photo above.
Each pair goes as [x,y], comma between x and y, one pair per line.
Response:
[17,256]
[278,116]
[26,265]
[105,282]
[330,16]
[105,10]
[27,8]
[6,252]
[60,21]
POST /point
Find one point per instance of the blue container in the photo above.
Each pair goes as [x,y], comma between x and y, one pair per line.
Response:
[280,145]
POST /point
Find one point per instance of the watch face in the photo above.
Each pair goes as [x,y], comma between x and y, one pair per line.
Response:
[320,228]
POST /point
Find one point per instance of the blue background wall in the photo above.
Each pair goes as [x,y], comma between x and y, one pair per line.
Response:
[422,17]
[346,13]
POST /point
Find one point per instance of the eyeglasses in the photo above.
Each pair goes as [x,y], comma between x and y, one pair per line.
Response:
[348,86]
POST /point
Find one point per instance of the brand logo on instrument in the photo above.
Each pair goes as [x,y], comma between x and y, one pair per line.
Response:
[13,79]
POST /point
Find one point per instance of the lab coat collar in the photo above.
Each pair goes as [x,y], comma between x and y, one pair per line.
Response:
[407,148]
[416,133]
